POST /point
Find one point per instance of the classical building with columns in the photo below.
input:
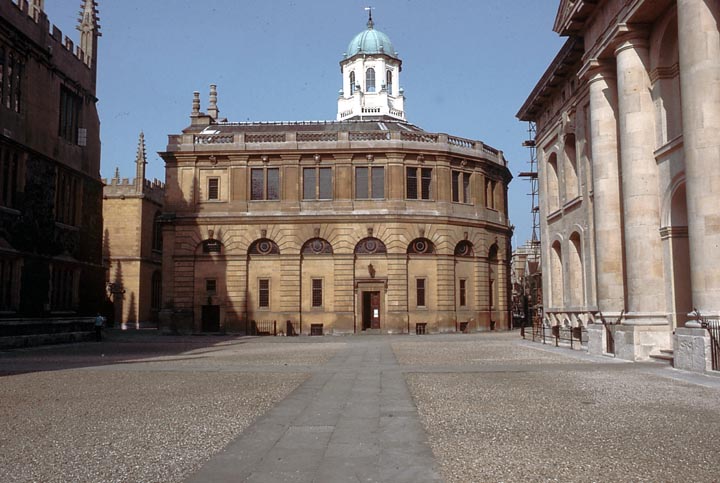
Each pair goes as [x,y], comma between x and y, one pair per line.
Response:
[628,138]
[366,223]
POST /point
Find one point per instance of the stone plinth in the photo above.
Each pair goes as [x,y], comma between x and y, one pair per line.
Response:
[692,349]
[636,342]
[596,339]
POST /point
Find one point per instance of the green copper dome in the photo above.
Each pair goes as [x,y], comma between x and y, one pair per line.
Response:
[371,41]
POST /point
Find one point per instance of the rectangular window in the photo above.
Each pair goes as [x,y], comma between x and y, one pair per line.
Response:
[419,183]
[211,286]
[10,80]
[62,288]
[213,189]
[70,104]
[67,196]
[7,276]
[2,74]
[370,183]
[411,183]
[426,183]
[460,187]
[325,185]
[463,292]
[377,178]
[317,183]
[490,194]
[420,292]
[317,292]
[9,166]
[264,293]
[265,184]
[309,184]
[361,183]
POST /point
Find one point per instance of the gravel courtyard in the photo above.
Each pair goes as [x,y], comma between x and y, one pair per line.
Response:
[491,407]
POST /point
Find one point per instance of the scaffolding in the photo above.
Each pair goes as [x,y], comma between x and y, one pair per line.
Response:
[532,283]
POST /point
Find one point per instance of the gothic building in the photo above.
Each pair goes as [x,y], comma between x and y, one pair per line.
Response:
[363,224]
[132,245]
[50,189]
[628,116]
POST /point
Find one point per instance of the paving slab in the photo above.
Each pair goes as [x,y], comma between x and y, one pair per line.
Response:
[353,421]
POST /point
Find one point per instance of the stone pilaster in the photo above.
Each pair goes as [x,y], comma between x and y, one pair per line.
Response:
[236,284]
[344,279]
[290,285]
[606,189]
[699,44]
[397,292]
[643,248]
[446,292]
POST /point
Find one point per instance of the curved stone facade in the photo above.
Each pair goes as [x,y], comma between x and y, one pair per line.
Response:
[357,225]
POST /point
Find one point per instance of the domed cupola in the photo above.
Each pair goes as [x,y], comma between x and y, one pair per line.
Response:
[370,42]
[371,78]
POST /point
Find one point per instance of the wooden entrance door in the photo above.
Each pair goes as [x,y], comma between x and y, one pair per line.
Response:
[371,310]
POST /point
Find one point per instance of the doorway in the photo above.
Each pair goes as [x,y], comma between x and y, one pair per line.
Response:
[210,318]
[370,310]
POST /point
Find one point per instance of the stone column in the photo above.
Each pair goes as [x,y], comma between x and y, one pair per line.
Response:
[606,189]
[640,193]
[699,44]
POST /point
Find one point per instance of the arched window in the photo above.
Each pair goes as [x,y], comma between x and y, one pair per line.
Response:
[556,276]
[352,82]
[370,246]
[317,246]
[389,82]
[157,233]
[370,80]
[571,174]
[421,246]
[577,276]
[156,291]
[552,186]
[464,249]
[264,246]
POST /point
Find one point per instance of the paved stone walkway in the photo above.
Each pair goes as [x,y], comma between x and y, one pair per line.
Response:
[354,421]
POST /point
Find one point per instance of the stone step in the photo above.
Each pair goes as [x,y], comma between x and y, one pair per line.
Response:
[664,356]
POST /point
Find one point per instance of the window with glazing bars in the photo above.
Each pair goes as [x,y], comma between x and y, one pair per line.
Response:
[265,184]
[370,80]
[70,105]
[420,292]
[460,187]
[463,292]
[7,270]
[213,189]
[317,292]
[317,183]
[264,293]
[419,183]
[9,166]
[370,182]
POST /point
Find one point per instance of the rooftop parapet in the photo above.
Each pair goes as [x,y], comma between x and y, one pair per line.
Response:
[227,138]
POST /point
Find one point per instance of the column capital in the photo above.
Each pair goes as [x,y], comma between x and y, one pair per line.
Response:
[598,69]
[630,36]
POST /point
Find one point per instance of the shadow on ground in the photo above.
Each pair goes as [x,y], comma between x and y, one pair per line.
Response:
[117,347]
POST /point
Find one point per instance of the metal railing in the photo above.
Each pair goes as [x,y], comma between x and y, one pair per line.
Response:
[609,336]
[263,327]
[713,328]
[572,335]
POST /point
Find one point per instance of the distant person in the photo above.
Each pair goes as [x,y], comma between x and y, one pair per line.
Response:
[99,323]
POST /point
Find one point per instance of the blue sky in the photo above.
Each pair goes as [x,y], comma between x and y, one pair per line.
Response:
[468,65]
